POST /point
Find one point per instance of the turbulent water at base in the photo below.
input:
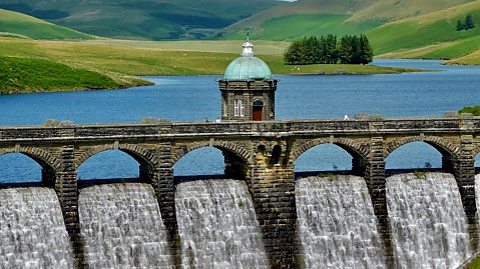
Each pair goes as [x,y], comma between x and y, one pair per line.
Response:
[122,227]
[429,226]
[32,231]
[336,223]
[217,225]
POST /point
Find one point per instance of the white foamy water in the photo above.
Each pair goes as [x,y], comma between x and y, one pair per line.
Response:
[32,231]
[336,223]
[429,226]
[122,227]
[217,225]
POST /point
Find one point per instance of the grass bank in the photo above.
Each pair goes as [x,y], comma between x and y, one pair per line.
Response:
[20,75]
[123,63]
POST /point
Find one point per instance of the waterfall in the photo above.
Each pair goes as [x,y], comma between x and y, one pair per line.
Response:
[217,225]
[336,223]
[32,231]
[429,226]
[122,227]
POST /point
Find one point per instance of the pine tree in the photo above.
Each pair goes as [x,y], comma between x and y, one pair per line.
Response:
[460,26]
[366,51]
[345,50]
[292,56]
[469,22]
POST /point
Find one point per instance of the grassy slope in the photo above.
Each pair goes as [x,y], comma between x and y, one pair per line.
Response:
[13,23]
[292,26]
[120,61]
[27,75]
[360,16]
[146,19]
[426,30]
[392,10]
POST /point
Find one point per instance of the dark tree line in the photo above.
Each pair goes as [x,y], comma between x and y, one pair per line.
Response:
[467,25]
[350,49]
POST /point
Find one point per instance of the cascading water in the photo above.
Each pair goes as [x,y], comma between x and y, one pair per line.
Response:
[217,225]
[429,226]
[122,227]
[32,231]
[336,223]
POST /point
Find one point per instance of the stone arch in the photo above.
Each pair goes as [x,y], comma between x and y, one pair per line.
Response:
[351,146]
[446,148]
[44,158]
[141,155]
[237,150]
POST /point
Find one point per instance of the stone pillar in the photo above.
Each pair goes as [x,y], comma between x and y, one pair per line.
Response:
[164,187]
[67,192]
[464,172]
[374,174]
[273,194]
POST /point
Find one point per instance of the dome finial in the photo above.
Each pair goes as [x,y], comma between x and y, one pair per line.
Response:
[247,50]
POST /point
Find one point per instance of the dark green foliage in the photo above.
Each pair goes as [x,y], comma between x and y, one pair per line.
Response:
[474,110]
[467,25]
[19,75]
[460,25]
[469,22]
[327,50]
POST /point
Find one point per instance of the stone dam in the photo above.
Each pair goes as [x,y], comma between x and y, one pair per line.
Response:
[259,214]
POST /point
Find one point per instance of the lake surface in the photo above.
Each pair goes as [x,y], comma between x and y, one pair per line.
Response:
[195,98]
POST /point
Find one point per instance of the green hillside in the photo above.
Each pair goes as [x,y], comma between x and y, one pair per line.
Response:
[20,25]
[35,75]
[305,17]
[293,26]
[428,30]
[143,19]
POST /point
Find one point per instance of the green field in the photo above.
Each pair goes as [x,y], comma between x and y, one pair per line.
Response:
[123,63]
[19,75]
[17,24]
[294,26]
[426,30]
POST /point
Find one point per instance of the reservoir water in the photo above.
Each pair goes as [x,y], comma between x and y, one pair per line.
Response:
[121,224]
[196,98]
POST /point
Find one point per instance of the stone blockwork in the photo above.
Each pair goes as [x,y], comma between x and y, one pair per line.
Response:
[262,153]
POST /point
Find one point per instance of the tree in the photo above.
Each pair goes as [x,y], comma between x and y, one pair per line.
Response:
[365,51]
[460,26]
[469,22]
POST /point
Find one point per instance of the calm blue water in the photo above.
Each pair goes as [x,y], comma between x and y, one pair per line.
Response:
[194,98]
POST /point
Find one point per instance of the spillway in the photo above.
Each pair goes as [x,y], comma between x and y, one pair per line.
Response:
[122,227]
[429,225]
[32,231]
[336,223]
[217,225]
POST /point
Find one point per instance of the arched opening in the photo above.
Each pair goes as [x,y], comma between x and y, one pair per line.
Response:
[257,110]
[18,168]
[276,154]
[328,158]
[209,162]
[111,165]
[416,156]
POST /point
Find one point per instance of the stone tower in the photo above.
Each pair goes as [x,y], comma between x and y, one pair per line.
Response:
[248,88]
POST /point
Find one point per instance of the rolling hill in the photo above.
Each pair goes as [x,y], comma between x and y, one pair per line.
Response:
[14,24]
[143,19]
[316,17]
[434,33]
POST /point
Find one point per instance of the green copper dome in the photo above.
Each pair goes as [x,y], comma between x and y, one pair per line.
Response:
[247,66]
